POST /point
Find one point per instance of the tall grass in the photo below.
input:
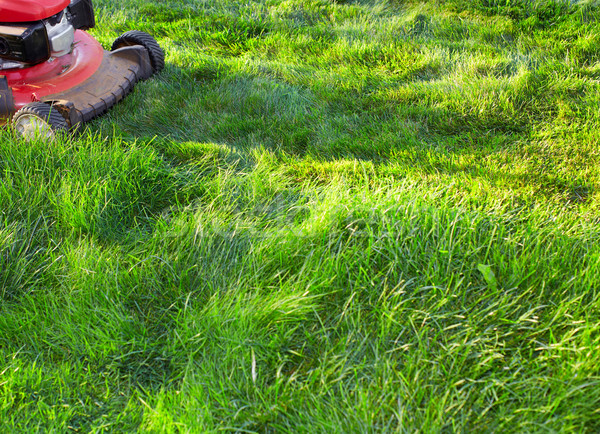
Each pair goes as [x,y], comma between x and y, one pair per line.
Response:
[323,216]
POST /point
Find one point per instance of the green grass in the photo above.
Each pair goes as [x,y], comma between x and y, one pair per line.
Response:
[323,216]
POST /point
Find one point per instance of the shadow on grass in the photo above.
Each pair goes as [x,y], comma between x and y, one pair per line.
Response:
[208,109]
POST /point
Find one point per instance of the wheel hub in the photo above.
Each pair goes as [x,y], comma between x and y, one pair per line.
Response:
[31,127]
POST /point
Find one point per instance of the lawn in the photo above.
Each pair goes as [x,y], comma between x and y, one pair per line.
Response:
[322,216]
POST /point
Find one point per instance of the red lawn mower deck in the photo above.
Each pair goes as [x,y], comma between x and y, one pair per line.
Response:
[54,76]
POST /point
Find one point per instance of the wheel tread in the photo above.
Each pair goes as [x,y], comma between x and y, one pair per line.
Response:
[46,112]
[137,37]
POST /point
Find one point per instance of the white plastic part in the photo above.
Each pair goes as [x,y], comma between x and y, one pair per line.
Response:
[31,126]
[7,64]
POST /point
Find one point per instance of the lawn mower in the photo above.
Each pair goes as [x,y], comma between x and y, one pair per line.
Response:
[54,76]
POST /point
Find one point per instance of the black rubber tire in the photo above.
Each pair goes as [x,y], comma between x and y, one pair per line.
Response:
[137,37]
[45,112]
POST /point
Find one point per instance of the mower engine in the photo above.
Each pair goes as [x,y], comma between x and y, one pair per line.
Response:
[26,44]
[55,76]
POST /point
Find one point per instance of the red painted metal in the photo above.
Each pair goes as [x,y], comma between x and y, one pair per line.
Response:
[56,75]
[19,11]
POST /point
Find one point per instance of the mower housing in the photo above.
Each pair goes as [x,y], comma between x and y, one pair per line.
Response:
[47,57]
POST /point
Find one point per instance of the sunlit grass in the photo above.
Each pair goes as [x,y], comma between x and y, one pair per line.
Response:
[323,216]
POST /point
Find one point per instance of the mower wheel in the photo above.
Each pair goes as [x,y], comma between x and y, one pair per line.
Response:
[136,37]
[38,119]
